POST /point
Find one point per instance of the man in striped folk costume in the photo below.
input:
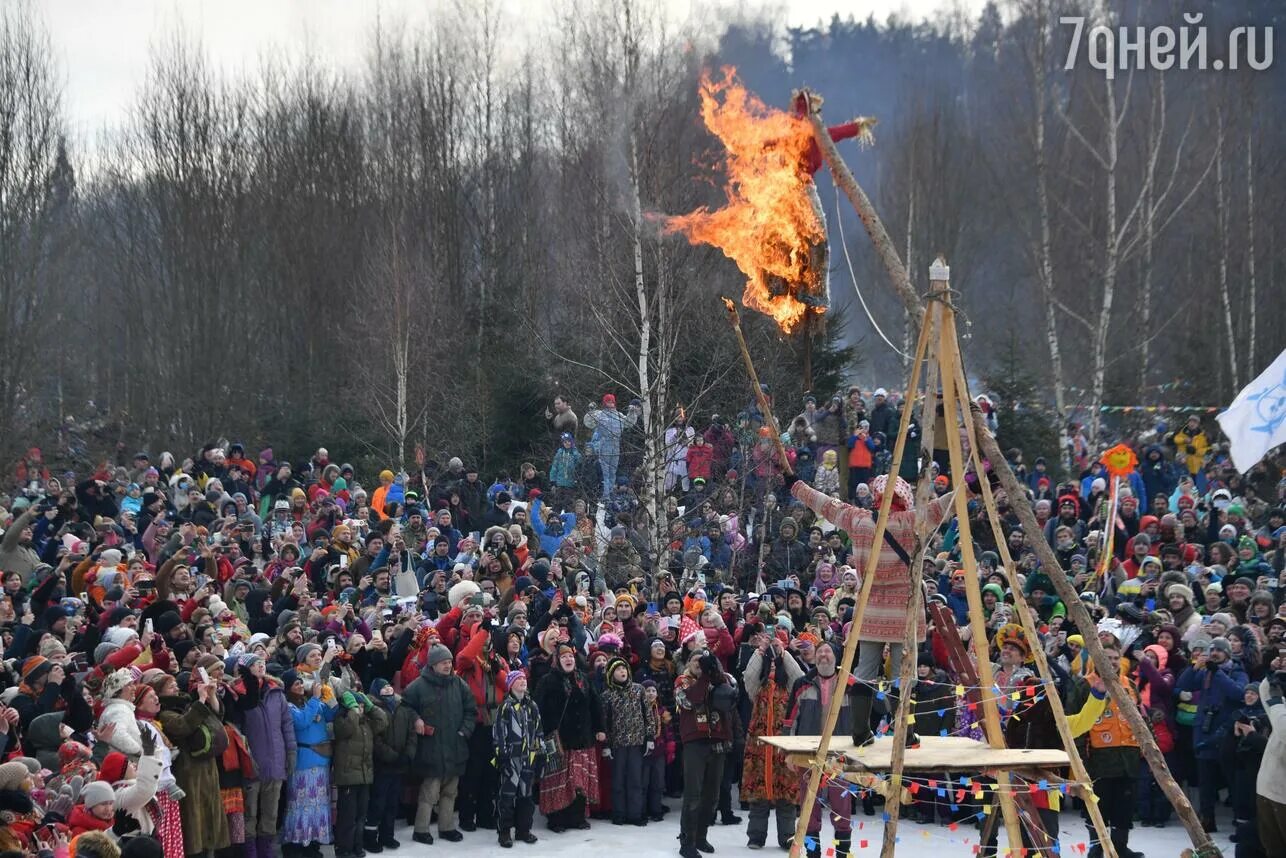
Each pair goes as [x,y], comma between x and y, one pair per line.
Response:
[886,610]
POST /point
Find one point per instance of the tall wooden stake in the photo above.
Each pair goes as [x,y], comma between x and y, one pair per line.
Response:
[770,420]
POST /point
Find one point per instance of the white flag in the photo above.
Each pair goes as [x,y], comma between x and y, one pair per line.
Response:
[1256,421]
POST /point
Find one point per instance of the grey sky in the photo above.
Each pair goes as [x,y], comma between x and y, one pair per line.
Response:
[102,46]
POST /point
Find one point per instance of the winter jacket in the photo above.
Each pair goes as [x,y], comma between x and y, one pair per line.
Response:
[270,732]
[488,687]
[355,731]
[619,565]
[395,747]
[517,736]
[446,706]
[311,721]
[1221,689]
[807,713]
[699,717]
[700,457]
[569,704]
[1271,781]
[629,721]
[127,738]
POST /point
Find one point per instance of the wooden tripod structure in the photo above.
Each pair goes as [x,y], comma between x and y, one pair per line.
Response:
[983,445]
[937,358]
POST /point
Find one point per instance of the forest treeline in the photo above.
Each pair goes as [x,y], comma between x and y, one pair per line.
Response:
[426,249]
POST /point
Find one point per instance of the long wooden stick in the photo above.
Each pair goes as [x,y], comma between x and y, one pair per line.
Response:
[955,409]
[1106,669]
[859,614]
[769,418]
[923,495]
[843,177]
[1027,618]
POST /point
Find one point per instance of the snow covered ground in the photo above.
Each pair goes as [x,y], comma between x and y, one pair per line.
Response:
[658,839]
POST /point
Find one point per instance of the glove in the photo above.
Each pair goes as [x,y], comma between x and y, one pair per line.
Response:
[348,700]
[649,747]
[607,753]
[175,792]
[365,701]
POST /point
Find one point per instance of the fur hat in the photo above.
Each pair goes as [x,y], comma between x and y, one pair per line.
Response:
[1179,590]
[461,592]
[116,682]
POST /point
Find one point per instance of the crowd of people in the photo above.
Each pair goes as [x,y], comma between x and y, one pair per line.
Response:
[236,652]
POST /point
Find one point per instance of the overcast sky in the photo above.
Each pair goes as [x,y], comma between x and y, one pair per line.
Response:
[102,46]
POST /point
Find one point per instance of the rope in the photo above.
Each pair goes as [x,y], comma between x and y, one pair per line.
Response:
[853,276]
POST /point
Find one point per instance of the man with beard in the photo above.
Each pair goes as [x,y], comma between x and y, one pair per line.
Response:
[1068,516]
[1219,682]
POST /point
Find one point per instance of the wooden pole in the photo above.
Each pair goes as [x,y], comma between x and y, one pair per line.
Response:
[1027,617]
[923,495]
[1202,841]
[859,614]
[1080,617]
[954,411]
[769,418]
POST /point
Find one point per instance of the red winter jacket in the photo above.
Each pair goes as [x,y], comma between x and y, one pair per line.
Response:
[699,458]
[469,667]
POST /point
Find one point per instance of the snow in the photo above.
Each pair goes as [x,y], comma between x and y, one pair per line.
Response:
[657,839]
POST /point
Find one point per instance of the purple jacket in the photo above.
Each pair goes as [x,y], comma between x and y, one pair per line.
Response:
[270,733]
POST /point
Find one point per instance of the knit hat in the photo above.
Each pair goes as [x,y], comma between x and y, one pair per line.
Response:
[51,647]
[1179,590]
[518,607]
[33,669]
[113,767]
[1222,645]
[97,792]
[13,774]
[512,677]
[304,650]
[439,653]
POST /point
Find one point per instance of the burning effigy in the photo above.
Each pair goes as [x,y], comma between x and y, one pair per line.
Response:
[772,225]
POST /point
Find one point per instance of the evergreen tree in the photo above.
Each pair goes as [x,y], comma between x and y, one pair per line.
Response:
[1026,420]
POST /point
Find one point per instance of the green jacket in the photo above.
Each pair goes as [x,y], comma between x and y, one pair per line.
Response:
[445,704]
[355,732]
[396,746]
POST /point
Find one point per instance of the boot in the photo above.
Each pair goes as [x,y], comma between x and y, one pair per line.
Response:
[266,844]
[842,844]
[1121,841]
[251,847]
[813,845]
[895,710]
[526,837]
[702,843]
[371,841]
[861,699]
[506,842]
[688,848]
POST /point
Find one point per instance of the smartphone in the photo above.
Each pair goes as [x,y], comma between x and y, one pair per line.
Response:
[147,626]
[343,561]
[205,677]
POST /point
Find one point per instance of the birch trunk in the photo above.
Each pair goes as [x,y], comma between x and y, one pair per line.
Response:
[1111,248]
[1221,227]
[1250,249]
[910,266]
[1044,255]
[643,357]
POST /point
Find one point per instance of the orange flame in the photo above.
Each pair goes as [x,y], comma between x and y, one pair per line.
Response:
[768,226]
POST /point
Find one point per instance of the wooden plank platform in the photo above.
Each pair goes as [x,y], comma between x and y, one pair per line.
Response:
[936,753]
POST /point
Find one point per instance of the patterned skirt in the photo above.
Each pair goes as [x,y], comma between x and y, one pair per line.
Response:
[234,805]
[577,776]
[168,825]
[308,807]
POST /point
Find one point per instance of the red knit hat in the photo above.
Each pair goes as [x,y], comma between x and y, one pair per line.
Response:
[113,767]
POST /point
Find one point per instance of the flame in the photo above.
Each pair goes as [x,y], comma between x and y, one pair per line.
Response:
[768,226]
